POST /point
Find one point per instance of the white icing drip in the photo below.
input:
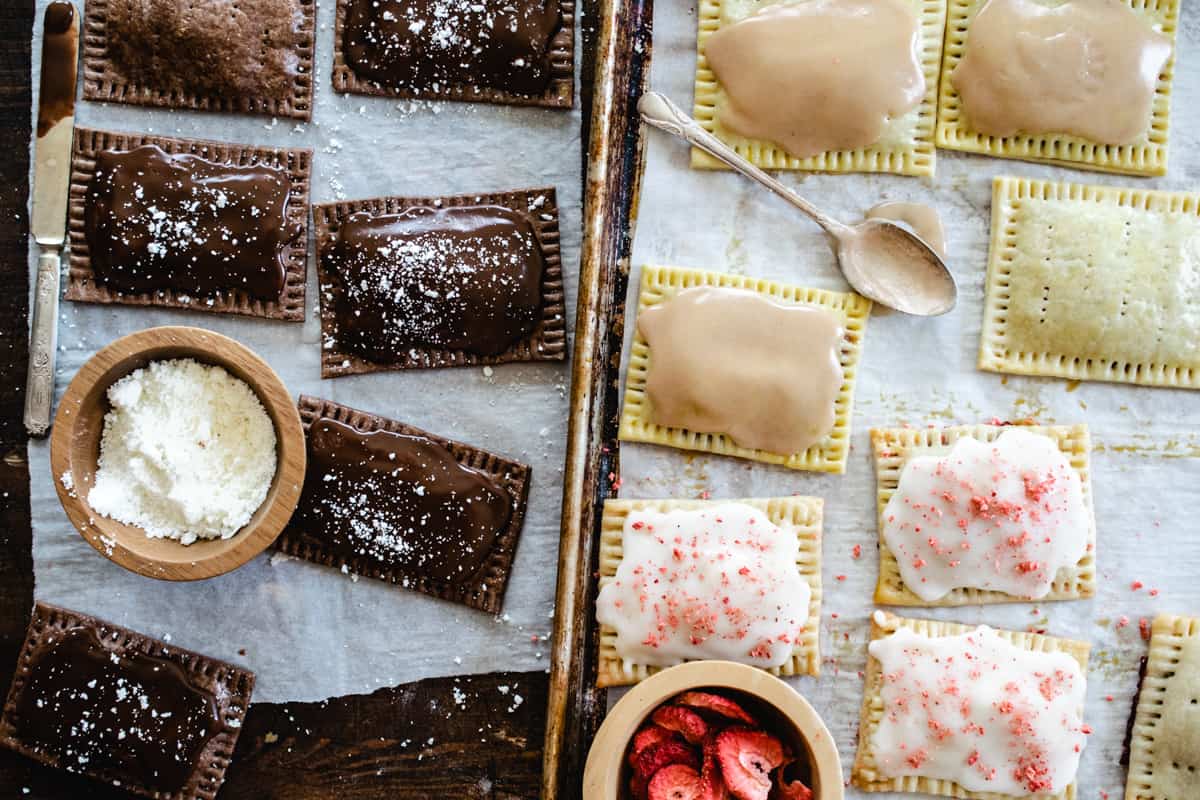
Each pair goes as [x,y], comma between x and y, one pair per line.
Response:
[1004,516]
[719,582]
[979,711]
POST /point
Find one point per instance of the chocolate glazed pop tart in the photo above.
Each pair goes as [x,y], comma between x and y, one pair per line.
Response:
[516,52]
[393,502]
[439,282]
[188,224]
[99,700]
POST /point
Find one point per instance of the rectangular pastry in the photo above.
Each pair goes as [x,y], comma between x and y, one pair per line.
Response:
[410,283]
[1111,121]
[889,127]
[191,224]
[970,712]
[253,56]
[514,52]
[1092,283]
[96,699]
[1164,746]
[984,514]
[728,571]
[733,378]
[393,502]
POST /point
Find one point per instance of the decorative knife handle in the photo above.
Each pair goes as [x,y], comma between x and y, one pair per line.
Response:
[43,339]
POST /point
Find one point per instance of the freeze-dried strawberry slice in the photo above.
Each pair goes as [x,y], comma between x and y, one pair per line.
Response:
[790,790]
[684,721]
[747,758]
[664,754]
[717,704]
[676,782]
[651,734]
[711,782]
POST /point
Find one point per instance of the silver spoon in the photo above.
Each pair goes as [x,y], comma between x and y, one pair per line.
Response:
[881,260]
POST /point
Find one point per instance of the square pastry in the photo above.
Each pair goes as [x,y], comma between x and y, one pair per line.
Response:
[1093,283]
[96,699]
[970,712]
[513,52]
[253,56]
[890,129]
[1164,745]
[1119,126]
[396,503]
[191,224]
[410,283]
[732,379]
[740,546]
[1032,537]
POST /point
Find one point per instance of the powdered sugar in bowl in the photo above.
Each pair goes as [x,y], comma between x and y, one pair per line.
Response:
[241,439]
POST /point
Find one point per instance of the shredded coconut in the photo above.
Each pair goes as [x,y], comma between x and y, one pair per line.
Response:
[187,453]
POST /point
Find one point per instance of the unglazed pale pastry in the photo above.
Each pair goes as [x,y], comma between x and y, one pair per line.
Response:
[715,582]
[1093,283]
[1003,516]
[795,516]
[1164,745]
[1088,68]
[922,219]
[731,361]
[823,95]
[970,712]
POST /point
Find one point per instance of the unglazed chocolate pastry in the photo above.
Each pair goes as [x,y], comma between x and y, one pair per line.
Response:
[159,221]
[1082,67]
[457,278]
[731,361]
[795,73]
[401,501]
[420,45]
[923,220]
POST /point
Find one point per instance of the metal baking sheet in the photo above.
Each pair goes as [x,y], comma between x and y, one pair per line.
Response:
[310,632]
[1146,461]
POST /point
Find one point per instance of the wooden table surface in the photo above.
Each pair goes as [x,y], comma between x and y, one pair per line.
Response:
[396,743]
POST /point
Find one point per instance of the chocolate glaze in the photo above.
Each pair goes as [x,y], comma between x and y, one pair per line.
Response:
[402,501]
[157,221]
[130,714]
[458,278]
[60,49]
[427,44]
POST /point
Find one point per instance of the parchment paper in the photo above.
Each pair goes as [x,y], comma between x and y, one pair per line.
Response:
[1146,464]
[308,631]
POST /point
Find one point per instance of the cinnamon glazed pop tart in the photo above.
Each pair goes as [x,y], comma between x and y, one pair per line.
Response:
[971,713]
[684,580]
[188,224]
[390,501]
[738,366]
[440,282]
[984,514]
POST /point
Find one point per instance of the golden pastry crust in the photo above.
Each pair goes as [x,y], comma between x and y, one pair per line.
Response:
[1092,283]
[660,284]
[1164,746]
[865,774]
[1145,157]
[893,447]
[802,514]
[907,148]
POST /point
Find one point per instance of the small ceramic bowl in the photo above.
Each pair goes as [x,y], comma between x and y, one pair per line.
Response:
[75,449]
[780,707]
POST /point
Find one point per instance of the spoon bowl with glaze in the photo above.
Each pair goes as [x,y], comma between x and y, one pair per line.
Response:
[880,260]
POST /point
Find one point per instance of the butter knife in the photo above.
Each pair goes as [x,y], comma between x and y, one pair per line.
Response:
[51,183]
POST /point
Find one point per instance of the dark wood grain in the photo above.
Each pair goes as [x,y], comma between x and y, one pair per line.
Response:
[620,43]
[465,737]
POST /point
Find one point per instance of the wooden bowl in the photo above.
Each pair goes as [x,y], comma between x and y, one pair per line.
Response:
[780,707]
[75,449]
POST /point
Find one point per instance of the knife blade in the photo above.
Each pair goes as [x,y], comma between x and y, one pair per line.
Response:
[51,182]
